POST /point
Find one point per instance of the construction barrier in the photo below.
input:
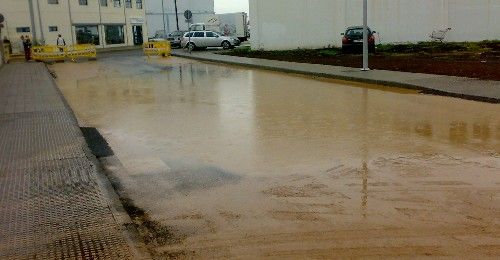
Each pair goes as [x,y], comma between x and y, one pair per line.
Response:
[81,51]
[57,53]
[162,48]
[6,53]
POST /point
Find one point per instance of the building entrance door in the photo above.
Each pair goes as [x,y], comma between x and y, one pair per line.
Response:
[138,38]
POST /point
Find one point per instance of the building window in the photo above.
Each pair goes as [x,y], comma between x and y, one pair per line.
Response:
[104,2]
[117,3]
[114,34]
[22,29]
[139,4]
[53,2]
[86,34]
[83,2]
[128,3]
[53,29]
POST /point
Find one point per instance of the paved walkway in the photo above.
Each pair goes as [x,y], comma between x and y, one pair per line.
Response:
[473,89]
[52,204]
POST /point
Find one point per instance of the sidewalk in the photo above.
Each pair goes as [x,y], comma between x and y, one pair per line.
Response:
[52,201]
[466,88]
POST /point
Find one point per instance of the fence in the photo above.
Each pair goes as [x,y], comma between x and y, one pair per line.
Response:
[57,53]
[162,48]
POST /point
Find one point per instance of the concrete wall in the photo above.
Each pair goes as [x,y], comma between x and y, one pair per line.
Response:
[39,15]
[289,24]
[154,12]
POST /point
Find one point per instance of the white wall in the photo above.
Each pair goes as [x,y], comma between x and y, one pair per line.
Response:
[17,14]
[154,13]
[289,24]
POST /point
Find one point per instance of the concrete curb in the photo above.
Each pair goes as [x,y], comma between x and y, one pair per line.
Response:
[120,215]
[424,89]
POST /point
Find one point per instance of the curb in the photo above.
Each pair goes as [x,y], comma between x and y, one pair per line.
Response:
[118,211]
[424,90]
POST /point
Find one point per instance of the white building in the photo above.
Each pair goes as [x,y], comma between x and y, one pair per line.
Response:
[105,23]
[289,24]
[160,17]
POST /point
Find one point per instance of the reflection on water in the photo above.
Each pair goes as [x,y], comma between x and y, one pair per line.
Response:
[272,153]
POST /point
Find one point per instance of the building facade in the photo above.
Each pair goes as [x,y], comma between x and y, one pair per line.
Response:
[290,24]
[105,23]
[160,14]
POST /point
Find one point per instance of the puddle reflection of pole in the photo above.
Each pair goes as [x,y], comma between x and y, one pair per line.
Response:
[192,77]
[180,77]
[364,150]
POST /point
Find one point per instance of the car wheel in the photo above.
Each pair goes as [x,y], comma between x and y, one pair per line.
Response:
[191,46]
[226,45]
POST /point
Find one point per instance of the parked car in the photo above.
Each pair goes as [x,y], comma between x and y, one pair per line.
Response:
[159,36]
[352,42]
[205,39]
[175,38]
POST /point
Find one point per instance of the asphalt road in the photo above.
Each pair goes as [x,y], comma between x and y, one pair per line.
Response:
[238,162]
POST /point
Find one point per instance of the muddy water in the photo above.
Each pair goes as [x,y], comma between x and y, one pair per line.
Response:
[249,163]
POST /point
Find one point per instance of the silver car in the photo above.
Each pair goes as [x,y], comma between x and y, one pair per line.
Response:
[205,39]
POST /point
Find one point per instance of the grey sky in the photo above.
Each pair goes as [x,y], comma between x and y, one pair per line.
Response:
[231,6]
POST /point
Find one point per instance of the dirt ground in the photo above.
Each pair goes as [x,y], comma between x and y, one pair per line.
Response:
[482,64]
[222,162]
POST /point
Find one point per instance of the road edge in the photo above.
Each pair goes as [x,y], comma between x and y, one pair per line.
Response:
[131,234]
[423,89]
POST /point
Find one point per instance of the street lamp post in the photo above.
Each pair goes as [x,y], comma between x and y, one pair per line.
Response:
[365,36]
[163,16]
[176,15]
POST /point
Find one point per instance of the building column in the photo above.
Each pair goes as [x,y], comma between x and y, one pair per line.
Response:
[32,19]
[40,21]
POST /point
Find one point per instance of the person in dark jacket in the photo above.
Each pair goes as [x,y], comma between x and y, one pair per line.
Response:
[27,48]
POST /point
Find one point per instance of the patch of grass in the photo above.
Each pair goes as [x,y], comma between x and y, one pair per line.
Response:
[438,47]
[329,52]
[246,51]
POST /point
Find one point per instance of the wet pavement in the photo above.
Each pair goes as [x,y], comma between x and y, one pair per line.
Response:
[54,201]
[239,162]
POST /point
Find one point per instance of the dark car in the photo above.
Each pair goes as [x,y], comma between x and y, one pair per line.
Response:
[175,38]
[352,42]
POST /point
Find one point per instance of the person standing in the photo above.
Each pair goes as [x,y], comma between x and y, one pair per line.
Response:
[27,48]
[60,42]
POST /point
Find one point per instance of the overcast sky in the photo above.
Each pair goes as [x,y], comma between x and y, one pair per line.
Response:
[231,6]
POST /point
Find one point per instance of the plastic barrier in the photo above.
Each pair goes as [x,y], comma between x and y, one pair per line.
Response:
[55,53]
[162,48]
[81,50]
[48,52]
[6,53]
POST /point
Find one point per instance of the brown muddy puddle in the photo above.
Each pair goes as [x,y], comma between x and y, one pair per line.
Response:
[248,163]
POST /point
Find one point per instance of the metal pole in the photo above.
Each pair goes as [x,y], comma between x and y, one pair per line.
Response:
[176,15]
[163,17]
[365,35]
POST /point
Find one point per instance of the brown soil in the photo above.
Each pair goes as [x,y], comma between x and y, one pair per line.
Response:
[482,66]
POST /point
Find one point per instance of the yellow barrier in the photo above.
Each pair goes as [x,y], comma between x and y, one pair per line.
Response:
[55,53]
[48,52]
[6,52]
[157,48]
[81,50]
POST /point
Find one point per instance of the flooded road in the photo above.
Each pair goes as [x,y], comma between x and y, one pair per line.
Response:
[248,163]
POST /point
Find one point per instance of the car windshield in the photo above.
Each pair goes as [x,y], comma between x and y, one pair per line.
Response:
[356,32]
